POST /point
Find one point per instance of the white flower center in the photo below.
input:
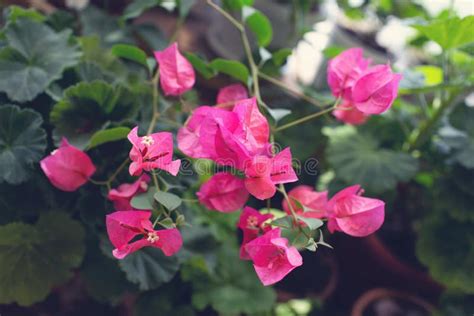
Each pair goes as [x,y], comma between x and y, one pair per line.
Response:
[147,140]
[144,185]
[152,237]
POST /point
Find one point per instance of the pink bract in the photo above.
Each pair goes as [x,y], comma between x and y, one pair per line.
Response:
[223,192]
[176,72]
[272,257]
[150,152]
[344,69]
[67,168]
[232,93]
[349,114]
[251,222]
[314,202]
[122,195]
[124,226]
[376,89]
[353,214]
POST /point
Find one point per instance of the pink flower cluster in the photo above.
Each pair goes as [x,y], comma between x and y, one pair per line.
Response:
[237,138]
[364,90]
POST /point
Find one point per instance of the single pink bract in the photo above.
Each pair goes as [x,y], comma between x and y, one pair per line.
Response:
[344,69]
[349,114]
[376,89]
[122,195]
[176,72]
[123,226]
[251,222]
[67,167]
[223,192]
[150,152]
[232,93]
[353,214]
[314,202]
[272,257]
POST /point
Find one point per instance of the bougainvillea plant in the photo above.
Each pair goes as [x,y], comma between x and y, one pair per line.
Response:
[144,180]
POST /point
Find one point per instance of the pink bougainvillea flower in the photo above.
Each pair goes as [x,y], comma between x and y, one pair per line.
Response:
[251,222]
[124,226]
[376,89]
[223,192]
[122,195]
[67,167]
[344,69]
[272,258]
[150,152]
[232,93]
[176,72]
[315,203]
[353,214]
[263,173]
[349,114]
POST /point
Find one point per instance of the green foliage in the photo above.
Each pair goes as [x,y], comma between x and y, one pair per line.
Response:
[34,258]
[455,303]
[233,289]
[87,107]
[22,142]
[169,200]
[449,33]
[200,65]
[259,24]
[232,68]
[235,5]
[108,135]
[130,52]
[34,57]
[358,158]
[137,7]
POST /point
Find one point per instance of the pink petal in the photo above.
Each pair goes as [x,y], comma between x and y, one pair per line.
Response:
[261,188]
[122,226]
[127,249]
[345,193]
[170,241]
[247,212]
[223,192]
[176,73]
[231,93]
[125,192]
[282,168]
[67,168]
[316,202]
[229,151]
[189,135]
[349,114]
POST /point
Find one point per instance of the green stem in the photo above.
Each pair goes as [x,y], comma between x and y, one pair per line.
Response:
[282,190]
[307,118]
[156,113]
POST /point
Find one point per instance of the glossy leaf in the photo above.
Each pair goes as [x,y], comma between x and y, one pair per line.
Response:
[232,68]
[34,258]
[259,24]
[130,52]
[35,57]
[449,33]
[108,135]
[22,142]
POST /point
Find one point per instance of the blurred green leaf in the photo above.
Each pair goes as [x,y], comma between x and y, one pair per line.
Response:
[449,33]
[137,7]
[433,74]
[200,65]
[22,142]
[168,200]
[235,5]
[259,24]
[144,201]
[34,58]
[232,68]
[13,13]
[130,52]
[34,258]
[312,223]
[357,158]
[280,56]
[108,135]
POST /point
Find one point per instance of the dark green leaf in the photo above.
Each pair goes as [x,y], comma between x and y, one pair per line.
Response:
[137,7]
[357,158]
[284,222]
[108,135]
[200,65]
[34,258]
[149,268]
[185,6]
[449,33]
[312,223]
[280,56]
[259,24]
[130,52]
[235,5]
[22,142]
[15,12]
[168,200]
[232,68]
[143,201]
[35,57]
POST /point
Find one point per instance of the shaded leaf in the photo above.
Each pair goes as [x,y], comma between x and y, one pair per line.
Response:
[449,33]
[259,24]
[232,68]
[130,52]
[168,200]
[108,135]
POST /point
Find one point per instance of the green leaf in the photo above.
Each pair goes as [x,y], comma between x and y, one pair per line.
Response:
[143,201]
[137,7]
[278,114]
[312,223]
[259,24]
[108,135]
[130,52]
[446,247]
[184,7]
[149,268]
[235,5]
[433,74]
[357,158]
[87,106]
[22,142]
[332,51]
[232,68]
[200,65]
[34,258]
[15,12]
[284,222]
[449,33]
[280,56]
[35,57]
[168,200]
